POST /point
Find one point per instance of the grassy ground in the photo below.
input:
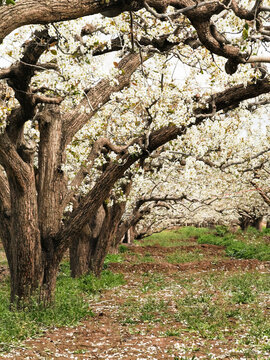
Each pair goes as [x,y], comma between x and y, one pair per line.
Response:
[175,295]
[71,305]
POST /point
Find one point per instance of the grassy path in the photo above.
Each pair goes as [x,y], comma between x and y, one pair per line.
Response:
[180,300]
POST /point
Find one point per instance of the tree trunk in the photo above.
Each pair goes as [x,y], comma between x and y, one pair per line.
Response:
[80,252]
[244,222]
[89,250]
[83,246]
[33,267]
[26,261]
[258,223]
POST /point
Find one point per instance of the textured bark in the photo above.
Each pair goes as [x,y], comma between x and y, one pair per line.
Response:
[83,246]
[32,201]
[48,11]
[105,239]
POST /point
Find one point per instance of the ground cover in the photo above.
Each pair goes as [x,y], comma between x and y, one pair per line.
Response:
[175,298]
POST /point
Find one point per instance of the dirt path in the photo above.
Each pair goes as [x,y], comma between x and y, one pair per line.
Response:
[138,320]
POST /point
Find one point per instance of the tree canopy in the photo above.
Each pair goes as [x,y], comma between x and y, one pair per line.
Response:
[100,98]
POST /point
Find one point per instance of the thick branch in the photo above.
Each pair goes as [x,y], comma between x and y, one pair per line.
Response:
[16,169]
[26,12]
[100,95]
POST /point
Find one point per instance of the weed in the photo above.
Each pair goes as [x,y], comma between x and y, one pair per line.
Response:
[221,230]
[122,248]
[92,285]
[80,351]
[172,332]
[207,319]
[149,310]
[113,258]
[146,258]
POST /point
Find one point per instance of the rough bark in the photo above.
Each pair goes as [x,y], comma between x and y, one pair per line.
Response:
[83,247]
[23,241]
[26,12]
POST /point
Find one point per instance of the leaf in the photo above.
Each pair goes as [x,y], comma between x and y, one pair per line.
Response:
[54,52]
[10,2]
[115,64]
[245,34]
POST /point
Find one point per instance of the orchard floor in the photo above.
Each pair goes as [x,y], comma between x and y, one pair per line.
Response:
[169,309]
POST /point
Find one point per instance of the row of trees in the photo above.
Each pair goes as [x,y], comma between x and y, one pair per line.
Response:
[77,140]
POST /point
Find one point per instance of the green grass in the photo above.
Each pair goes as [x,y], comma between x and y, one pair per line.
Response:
[207,305]
[68,309]
[215,305]
[240,249]
[146,258]
[173,237]
[113,258]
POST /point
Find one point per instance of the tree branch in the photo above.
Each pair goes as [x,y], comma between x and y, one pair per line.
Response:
[99,95]
[157,138]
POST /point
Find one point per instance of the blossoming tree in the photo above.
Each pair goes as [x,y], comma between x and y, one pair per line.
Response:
[56,95]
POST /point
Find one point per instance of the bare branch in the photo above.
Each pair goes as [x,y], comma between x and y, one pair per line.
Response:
[37,99]
[4,73]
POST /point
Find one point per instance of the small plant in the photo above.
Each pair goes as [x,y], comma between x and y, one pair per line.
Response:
[122,249]
[113,258]
[221,230]
[238,249]
[92,285]
[149,310]
[172,332]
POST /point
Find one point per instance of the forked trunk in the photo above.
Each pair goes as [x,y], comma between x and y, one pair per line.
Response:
[99,234]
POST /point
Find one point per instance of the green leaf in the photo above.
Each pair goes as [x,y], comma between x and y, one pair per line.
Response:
[10,2]
[245,34]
